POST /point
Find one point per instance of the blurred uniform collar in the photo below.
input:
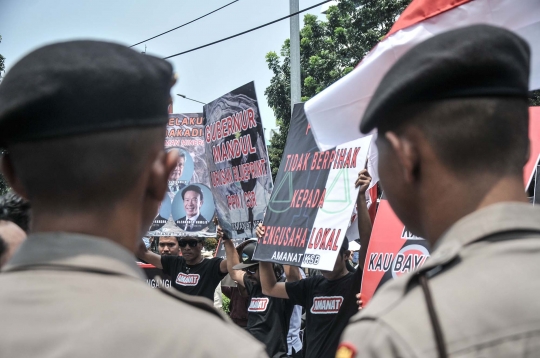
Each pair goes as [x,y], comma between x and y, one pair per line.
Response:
[75,251]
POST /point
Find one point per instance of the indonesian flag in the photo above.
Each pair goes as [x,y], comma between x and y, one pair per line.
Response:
[336,112]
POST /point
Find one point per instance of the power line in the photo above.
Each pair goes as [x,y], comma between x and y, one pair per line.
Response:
[245,32]
[191,99]
[187,23]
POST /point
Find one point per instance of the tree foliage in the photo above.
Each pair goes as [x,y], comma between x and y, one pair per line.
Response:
[210,244]
[2,59]
[534,98]
[328,51]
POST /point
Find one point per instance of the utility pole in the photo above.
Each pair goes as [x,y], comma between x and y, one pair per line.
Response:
[296,84]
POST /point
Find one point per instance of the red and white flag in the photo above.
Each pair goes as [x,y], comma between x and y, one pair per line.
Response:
[336,112]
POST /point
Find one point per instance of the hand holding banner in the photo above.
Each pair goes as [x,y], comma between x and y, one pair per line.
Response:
[310,208]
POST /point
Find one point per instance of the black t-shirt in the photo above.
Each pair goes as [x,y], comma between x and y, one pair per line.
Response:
[322,300]
[197,280]
[268,319]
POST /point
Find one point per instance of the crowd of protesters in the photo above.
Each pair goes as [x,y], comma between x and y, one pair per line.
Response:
[271,301]
[452,124]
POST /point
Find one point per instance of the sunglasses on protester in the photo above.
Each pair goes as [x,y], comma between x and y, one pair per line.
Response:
[191,243]
[251,270]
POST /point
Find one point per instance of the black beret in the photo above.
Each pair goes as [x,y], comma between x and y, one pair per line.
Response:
[79,87]
[473,61]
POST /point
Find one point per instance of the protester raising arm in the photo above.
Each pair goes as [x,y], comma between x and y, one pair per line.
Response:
[270,286]
[148,256]
[232,257]
[364,221]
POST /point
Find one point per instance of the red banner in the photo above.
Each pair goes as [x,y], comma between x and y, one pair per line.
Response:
[534,136]
[393,250]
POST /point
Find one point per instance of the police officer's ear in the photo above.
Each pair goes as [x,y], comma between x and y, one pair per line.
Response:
[161,169]
[8,170]
[406,150]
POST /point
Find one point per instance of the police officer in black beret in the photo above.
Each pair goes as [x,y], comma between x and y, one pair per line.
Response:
[452,121]
[83,123]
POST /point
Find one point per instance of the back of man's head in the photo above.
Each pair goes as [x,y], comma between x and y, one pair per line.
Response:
[452,120]
[471,135]
[84,124]
[85,172]
[466,91]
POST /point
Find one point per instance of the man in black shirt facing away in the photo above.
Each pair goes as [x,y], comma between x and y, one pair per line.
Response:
[329,299]
[268,317]
[191,273]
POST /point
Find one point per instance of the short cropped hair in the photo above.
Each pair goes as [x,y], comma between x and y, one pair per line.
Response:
[85,171]
[3,247]
[15,209]
[194,188]
[472,134]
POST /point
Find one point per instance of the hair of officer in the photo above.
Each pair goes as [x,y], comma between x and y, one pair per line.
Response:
[471,135]
[15,209]
[279,271]
[85,172]
[3,247]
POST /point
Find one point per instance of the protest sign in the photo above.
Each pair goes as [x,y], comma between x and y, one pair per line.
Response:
[220,250]
[393,251]
[311,206]
[237,161]
[188,206]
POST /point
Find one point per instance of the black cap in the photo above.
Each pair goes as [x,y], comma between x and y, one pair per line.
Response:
[79,87]
[473,61]
[247,257]
[344,245]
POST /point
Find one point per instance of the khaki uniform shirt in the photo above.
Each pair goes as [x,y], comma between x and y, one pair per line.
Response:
[71,295]
[484,280]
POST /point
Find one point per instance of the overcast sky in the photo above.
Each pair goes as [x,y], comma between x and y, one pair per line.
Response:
[204,74]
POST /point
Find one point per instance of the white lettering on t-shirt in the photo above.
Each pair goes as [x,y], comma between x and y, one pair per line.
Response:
[187,280]
[258,304]
[326,304]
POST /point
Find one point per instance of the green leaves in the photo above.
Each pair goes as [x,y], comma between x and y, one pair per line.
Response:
[534,98]
[328,51]
[2,59]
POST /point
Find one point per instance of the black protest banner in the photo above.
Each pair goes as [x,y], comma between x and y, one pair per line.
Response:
[220,251]
[238,161]
[188,206]
[311,205]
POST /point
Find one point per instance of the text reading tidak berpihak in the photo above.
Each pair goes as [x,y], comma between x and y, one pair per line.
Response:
[330,159]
